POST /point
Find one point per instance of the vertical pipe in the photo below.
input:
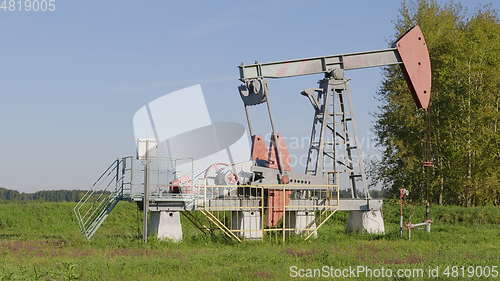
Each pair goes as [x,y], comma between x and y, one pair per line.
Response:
[262,214]
[427,210]
[131,175]
[284,213]
[205,194]
[427,215]
[401,217]
[146,195]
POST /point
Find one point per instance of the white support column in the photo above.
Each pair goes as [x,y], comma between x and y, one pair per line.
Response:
[165,225]
[249,223]
[366,221]
[301,220]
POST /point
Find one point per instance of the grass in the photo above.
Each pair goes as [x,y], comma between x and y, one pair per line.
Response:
[40,241]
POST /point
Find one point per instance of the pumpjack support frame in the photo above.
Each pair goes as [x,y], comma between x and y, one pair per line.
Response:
[333,123]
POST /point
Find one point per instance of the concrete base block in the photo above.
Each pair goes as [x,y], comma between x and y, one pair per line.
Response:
[165,225]
[301,220]
[366,221]
[248,223]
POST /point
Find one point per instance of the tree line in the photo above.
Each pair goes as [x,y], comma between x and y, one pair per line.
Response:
[45,195]
[464,48]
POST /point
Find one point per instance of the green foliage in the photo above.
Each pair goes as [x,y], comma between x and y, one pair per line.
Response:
[44,195]
[41,242]
[465,56]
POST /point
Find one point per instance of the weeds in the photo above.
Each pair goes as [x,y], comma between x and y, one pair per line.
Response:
[50,247]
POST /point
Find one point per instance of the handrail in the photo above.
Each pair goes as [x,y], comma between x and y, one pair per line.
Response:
[102,197]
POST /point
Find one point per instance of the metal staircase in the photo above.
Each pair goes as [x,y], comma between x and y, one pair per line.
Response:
[113,185]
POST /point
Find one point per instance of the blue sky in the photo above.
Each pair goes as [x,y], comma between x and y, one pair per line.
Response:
[71,80]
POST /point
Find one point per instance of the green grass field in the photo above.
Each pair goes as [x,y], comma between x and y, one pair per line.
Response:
[40,241]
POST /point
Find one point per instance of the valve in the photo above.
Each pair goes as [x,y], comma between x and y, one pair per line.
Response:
[403,193]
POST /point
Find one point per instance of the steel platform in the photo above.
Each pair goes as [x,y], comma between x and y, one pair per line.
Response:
[181,202]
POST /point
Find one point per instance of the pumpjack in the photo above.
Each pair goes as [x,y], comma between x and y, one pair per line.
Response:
[264,196]
[333,144]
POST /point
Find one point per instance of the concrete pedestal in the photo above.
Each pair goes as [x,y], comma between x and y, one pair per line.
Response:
[301,220]
[248,223]
[366,221]
[165,225]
